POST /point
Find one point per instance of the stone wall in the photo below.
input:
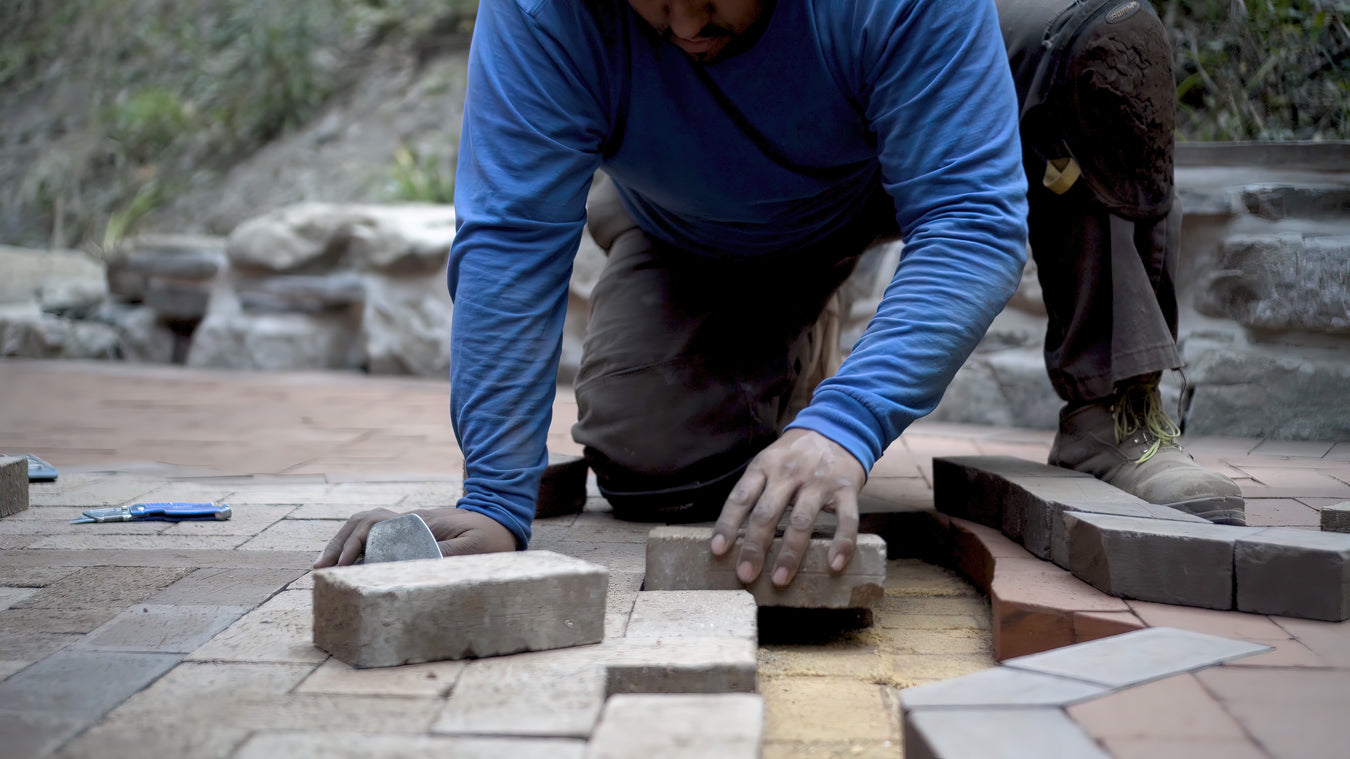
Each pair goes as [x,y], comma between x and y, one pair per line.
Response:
[1264,288]
[1264,291]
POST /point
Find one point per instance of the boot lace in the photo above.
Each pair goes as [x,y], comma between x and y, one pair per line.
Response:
[1139,409]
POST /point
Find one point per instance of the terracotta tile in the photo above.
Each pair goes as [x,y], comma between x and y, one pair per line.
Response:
[1291,712]
[1178,707]
[1280,512]
[1091,625]
[1229,624]
[1310,449]
[1037,583]
[1330,641]
[1292,483]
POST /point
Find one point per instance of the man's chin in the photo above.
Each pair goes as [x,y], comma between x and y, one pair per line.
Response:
[703,51]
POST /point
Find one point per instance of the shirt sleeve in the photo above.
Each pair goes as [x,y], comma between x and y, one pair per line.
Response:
[932,80]
[533,131]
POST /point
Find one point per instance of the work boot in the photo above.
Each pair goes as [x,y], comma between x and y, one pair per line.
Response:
[1128,441]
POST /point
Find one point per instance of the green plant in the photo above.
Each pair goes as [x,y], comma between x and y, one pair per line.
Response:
[421,178]
[1261,69]
[121,222]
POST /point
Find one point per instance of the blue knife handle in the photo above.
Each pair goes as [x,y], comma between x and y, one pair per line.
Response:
[177,510]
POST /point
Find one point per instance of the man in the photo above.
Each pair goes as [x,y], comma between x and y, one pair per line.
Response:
[754,149]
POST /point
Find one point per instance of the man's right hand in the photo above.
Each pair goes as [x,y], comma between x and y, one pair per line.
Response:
[458,531]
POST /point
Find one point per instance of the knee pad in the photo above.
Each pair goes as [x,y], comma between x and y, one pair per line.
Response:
[1107,106]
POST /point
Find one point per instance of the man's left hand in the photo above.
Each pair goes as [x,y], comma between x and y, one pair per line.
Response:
[807,471]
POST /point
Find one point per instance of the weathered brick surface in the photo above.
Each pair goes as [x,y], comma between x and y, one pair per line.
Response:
[13,485]
[1336,517]
[730,726]
[694,614]
[379,615]
[1294,573]
[678,558]
[1155,560]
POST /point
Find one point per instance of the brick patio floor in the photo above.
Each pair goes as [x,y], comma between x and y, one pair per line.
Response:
[193,639]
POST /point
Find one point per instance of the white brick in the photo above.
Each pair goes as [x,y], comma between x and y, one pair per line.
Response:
[459,607]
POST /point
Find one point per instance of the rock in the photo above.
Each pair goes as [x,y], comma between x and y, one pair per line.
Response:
[1281,281]
[25,332]
[178,299]
[13,485]
[1278,391]
[141,336]
[72,298]
[274,342]
[1004,387]
[178,256]
[1286,201]
[322,237]
[405,326]
[302,294]
[29,272]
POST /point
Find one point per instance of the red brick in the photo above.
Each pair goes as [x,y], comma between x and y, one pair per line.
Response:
[1091,625]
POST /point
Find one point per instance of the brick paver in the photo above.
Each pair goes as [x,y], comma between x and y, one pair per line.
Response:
[104,629]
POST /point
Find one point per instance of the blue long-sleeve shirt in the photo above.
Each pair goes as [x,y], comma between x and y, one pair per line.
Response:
[913,94]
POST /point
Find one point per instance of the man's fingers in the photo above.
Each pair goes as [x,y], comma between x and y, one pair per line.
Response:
[759,531]
[846,534]
[350,541]
[738,504]
[796,539]
[333,551]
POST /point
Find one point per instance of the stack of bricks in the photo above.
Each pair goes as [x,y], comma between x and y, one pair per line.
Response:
[1132,549]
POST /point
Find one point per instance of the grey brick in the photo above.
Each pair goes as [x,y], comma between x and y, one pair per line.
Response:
[1336,517]
[1155,560]
[81,684]
[729,726]
[678,558]
[1294,573]
[1137,657]
[226,587]
[379,615]
[694,613]
[996,733]
[13,485]
[1002,686]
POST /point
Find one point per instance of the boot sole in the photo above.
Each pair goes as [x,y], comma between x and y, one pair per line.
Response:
[1220,510]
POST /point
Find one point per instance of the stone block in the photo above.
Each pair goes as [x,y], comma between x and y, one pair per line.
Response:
[678,558]
[996,733]
[1294,573]
[665,614]
[379,615]
[727,725]
[1336,517]
[1155,560]
[13,485]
